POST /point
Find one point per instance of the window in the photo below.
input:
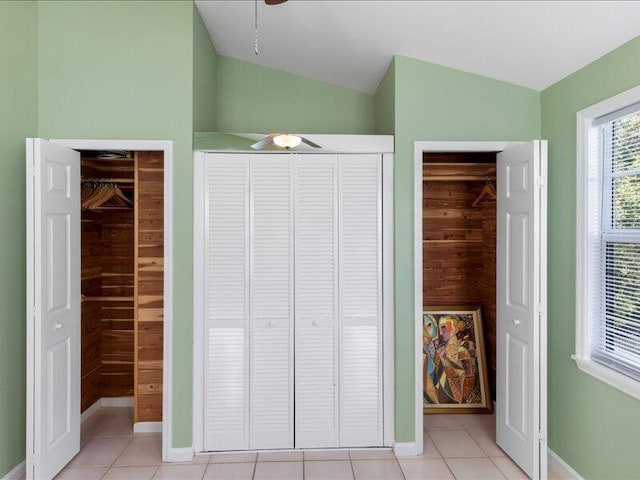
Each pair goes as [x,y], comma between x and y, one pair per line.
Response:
[608,262]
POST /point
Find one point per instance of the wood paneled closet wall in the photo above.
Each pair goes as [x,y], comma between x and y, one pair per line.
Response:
[122,284]
[459,240]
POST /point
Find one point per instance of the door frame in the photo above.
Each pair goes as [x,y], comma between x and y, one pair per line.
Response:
[331,144]
[421,147]
[165,146]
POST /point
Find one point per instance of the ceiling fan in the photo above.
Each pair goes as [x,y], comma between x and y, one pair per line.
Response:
[284,140]
[274,2]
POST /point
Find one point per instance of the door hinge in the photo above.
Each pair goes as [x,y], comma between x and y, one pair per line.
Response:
[540,308]
[541,182]
[540,436]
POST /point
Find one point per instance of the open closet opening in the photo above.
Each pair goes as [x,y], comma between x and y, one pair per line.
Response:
[122,251]
[459,200]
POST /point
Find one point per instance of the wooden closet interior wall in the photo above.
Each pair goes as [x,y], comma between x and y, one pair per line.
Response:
[458,240]
[122,286]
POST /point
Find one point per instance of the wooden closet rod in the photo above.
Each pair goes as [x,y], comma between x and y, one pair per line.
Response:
[108,180]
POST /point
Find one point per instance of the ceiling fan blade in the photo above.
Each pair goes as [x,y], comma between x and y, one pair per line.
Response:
[274,2]
[310,143]
[259,145]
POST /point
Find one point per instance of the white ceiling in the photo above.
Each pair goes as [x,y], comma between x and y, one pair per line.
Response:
[350,43]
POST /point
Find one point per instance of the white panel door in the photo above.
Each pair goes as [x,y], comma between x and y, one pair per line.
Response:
[271,344]
[226,342]
[316,305]
[360,300]
[53,285]
[521,391]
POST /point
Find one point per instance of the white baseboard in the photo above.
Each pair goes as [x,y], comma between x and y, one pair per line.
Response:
[406,449]
[147,427]
[105,402]
[88,413]
[16,473]
[179,455]
[117,401]
[556,459]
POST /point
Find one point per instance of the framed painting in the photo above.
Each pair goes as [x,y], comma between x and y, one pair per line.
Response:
[453,361]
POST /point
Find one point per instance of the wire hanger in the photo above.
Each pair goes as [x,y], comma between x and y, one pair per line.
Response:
[488,195]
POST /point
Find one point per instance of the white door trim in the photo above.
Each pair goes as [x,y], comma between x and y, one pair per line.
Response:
[199,229]
[379,144]
[388,299]
[166,147]
[419,149]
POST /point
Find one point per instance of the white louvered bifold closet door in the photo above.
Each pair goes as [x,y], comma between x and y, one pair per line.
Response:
[360,306]
[316,277]
[271,345]
[227,302]
[293,277]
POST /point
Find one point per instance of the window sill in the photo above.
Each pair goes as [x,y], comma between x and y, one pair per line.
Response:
[621,382]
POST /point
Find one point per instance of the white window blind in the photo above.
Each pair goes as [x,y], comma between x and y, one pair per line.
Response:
[615,332]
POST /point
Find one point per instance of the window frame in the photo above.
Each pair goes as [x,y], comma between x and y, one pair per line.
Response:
[589,185]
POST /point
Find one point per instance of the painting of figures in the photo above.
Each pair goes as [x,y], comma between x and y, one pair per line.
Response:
[454,364]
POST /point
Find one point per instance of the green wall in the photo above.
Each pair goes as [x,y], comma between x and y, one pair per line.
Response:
[205,107]
[18,119]
[124,70]
[437,103]
[592,426]
[147,70]
[384,103]
[254,99]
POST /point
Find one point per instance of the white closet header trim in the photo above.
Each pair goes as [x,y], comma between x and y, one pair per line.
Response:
[329,143]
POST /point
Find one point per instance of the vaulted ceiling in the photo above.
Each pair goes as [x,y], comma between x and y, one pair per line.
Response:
[350,43]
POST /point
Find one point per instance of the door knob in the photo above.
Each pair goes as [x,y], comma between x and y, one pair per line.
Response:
[270,323]
[59,326]
[516,322]
[315,323]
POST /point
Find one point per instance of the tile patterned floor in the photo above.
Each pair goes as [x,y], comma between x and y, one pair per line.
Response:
[457,447]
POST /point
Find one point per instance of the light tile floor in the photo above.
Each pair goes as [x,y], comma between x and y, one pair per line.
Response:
[457,447]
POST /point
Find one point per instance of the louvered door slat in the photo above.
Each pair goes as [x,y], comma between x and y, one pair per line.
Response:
[226,292]
[271,384]
[360,219]
[316,303]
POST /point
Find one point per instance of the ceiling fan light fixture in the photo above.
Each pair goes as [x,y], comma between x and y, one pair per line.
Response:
[286,140]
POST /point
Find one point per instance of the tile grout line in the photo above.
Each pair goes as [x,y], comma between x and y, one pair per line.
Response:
[123,450]
[441,456]
[155,472]
[255,467]
[498,466]
[353,470]
[404,477]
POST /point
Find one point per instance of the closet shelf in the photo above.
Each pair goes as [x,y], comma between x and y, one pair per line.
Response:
[460,240]
[453,178]
[107,299]
[444,172]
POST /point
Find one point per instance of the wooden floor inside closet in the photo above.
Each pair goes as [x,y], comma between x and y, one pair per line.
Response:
[122,256]
[459,239]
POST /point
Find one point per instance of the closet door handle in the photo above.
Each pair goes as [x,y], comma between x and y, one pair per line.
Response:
[316,323]
[270,323]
